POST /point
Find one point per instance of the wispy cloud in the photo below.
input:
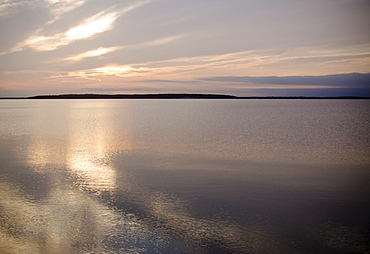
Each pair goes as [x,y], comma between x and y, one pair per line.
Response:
[56,7]
[94,25]
[98,73]
[160,41]
[92,53]
[201,65]
[88,28]
[60,7]
[120,89]
[99,23]
[9,7]
[101,51]
[121,71]
[351,80]
[256,61]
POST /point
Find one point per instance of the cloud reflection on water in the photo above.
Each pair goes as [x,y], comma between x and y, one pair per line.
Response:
[66,218]
[66,221]
[101,176]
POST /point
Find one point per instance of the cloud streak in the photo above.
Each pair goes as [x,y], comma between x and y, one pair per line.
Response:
[351,80]
[98,74]
[60,7]
[88,28]
[92,53]
[200,66]
[9,7]
[102,50]
[120,89]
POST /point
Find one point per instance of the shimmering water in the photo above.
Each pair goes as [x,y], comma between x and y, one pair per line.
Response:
[184,176]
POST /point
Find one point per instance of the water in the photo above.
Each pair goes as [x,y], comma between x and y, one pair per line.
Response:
[184,176]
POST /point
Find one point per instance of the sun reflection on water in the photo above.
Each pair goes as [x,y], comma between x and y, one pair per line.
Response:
[94,175]
[91,144]
[83,144]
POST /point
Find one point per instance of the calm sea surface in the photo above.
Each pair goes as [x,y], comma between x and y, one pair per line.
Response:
[184,176]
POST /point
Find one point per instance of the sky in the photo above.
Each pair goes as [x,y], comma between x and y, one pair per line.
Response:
[237,47]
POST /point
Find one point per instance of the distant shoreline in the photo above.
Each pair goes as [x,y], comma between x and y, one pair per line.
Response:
[174,96]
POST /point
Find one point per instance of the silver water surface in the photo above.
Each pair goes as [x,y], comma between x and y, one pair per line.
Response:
[184,176]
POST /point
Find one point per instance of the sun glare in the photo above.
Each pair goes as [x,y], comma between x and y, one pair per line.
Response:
[114,70]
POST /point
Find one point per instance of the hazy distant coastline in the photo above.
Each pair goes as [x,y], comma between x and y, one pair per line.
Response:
[173,96]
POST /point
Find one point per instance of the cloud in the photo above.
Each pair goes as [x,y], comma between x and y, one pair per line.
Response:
[160,41]
[120,89]
[351,84]
[223,63]
[94,25]
[59,7]
[351,80]
[123,71]
[165,81]
[90,27]
[9,7]
[92,53]
[56,7]
[257,61]
[99,73]
[101,51]
[308,92]
[99,23]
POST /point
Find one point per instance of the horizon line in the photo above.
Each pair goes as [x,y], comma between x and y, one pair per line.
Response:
[174,96]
